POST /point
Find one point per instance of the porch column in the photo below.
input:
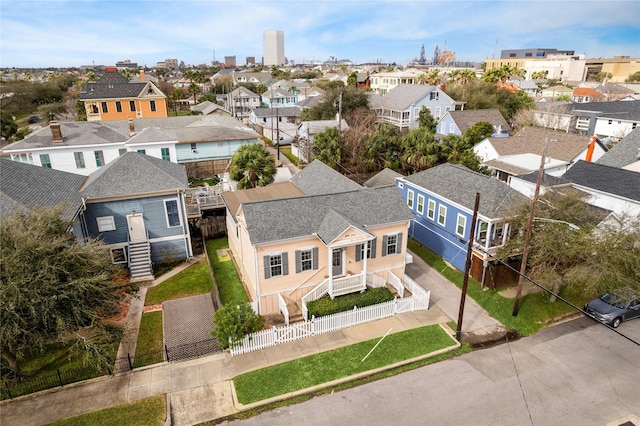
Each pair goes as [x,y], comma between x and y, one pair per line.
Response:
[330,267]
[364,263]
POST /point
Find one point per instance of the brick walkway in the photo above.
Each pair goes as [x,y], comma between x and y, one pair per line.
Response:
[187,325]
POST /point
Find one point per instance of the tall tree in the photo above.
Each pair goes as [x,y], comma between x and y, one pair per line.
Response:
[426,120]
[252,166]
[326,147]
[420,150]
[52,285]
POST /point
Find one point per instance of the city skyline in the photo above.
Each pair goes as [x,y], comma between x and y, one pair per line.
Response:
[59,33]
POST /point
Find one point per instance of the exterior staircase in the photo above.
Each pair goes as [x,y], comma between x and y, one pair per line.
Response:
[140,261]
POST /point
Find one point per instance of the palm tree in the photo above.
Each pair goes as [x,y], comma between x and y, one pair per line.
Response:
[252,166]
[193,90]
[420,150]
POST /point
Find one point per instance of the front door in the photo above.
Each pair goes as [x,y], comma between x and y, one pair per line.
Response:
[137,231]
[337,263]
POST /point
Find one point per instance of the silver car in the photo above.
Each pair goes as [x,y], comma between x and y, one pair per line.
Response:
[613,309]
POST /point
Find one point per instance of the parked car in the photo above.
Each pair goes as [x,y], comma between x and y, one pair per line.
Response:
[613,309]
[34,119]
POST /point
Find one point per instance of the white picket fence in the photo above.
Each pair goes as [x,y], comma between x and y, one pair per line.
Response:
[276,335]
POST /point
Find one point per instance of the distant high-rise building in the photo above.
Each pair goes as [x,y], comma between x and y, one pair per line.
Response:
[230,61]
[273,48]
[251,60]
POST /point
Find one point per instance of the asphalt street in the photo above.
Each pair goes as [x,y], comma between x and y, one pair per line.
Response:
[574,373]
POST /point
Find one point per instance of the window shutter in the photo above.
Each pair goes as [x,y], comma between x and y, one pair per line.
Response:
[267,267]
[315,258]
[399,243]
[298,261]
[373,248]
[384,245]
[359,252]
[285,263]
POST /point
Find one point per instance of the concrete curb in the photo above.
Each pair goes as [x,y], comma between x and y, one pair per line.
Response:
[283,397]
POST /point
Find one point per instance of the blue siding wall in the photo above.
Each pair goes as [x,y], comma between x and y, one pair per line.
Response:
[119,210]
[210,150]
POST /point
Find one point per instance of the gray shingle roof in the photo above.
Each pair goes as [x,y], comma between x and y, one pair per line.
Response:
[74,134]
[384,177]
[152,134]
[274,220]
[318,178]
[467,118]
[625,152]
[133,173]
[612,180]
[403,96]
[334,224]
[460,184]
[25,187]
[626,110]
[281,112]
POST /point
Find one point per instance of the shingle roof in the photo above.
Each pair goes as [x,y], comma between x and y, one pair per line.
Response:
[384,177]
[74,134]
[134,173]
[625,152]
[626,110]
[460,185]
[281,112]
[269,221]
[334,224]
[318,178]
[403,96]
[234,199]
[613,180]
[25,187]
[152,134]
[467,118]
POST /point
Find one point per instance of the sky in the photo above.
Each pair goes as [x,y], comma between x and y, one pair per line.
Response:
[59,33]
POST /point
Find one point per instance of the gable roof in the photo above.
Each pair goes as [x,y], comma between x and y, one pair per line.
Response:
[623,153]
[459,184]
[467,118]
[384,177]
[587,91]
[270,221]
[25,187]
[403,96]
[233,199]
[612,180]
[318,178]
[133,173]
[75,133]
[152,134]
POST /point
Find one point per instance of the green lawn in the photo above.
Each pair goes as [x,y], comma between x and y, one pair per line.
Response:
[229,284]
[196,279]
[149,346]
[150,411]
[331,365]
[535,309]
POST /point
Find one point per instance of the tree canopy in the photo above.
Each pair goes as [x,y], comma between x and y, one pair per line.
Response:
[252,166]
[52,285]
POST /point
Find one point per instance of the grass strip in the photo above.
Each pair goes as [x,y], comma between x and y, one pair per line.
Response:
[196,279]
[149,346]
[331,365]
[229,284]
[150,411]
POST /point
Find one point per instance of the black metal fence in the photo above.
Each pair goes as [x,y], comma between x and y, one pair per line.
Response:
[13,387]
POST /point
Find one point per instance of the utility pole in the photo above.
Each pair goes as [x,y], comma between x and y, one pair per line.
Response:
[467,265]
[527,237]
[278,132]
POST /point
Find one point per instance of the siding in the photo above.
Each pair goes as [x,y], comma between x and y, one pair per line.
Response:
[209,150]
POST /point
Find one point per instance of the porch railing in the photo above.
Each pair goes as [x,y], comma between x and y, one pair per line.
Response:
[282,305]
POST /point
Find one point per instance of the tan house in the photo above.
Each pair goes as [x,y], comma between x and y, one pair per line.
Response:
[337,238]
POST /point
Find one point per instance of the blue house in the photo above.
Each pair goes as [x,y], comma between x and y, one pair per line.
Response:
[442,200]
[458,122]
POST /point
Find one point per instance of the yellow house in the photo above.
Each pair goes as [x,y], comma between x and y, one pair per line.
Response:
[333,242]
[113,97]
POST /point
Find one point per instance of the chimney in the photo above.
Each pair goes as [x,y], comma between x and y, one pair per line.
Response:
[141,75]
[132,128]
[590,148]
[56,133]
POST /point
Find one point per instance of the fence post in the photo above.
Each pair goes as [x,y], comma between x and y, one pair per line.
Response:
[130,363]
[313,325]
[166,351]
[59,377]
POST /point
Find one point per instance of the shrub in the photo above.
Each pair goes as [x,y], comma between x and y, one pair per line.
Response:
[234,322]
[327,306]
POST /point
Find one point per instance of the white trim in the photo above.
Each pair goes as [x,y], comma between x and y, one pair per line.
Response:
[108,223]
[410,198]
[418,209]
[429,203]
[444,221]
[170,238]
[124,251]
[464,225]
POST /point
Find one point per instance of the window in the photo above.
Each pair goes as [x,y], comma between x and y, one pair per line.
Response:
[165,154]
[370,253]
[433,96]
[461,224]
[45,161]
[118,106]
[276,265]
[104,107]
[391,244]
[482,234]
[152,104]
[437,114]
[132,106]
[99,158]
[443,127]
[431,210]
[173,215]
[421,204]
[513,55]
[528,54]
[122,151]
[442,215]
[307,259]
[94,108]
[194,148]
[79,157]
[106,223]
[410,198]
[118,255]
[142,151]
[452,128]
